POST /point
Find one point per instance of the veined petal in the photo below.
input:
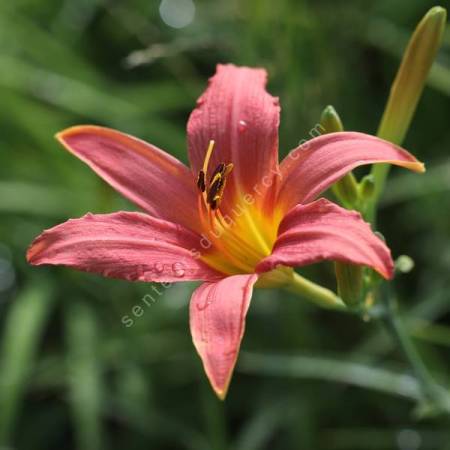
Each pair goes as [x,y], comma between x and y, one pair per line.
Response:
[322,231]
[311,168]
[217,320]
[154,180]
[126,245]
[242,118]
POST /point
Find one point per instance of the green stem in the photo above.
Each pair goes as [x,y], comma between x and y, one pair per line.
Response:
[397,329]
[312,291]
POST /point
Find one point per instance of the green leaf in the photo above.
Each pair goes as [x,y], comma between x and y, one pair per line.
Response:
[24,326]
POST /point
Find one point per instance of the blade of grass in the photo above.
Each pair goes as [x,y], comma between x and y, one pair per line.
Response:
[84,376]
[339,371]
[19,346]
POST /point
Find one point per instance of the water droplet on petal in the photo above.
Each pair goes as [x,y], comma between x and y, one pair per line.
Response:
[205,304]
[178,270]
[158,267]
[146,276]
[242,126]
[140,272]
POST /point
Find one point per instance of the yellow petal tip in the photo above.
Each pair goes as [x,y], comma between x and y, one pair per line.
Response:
[420,167]
[221,395]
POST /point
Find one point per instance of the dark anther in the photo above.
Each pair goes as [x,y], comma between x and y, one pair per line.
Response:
[219,169]
[215,190]
[201,181]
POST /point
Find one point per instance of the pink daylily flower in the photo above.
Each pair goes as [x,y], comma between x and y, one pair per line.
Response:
[235,219]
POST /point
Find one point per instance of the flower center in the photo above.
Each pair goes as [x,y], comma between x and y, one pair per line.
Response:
[237,243]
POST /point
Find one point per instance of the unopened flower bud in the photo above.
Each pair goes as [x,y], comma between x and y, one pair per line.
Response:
[349,282]
[412,74]
[404,264]
[367,187]
[330,120]
[407,89]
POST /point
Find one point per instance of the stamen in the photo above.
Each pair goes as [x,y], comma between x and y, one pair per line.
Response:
[201,181]
[218,170]
[201,178]
[215,190]
[217,184]
[237,250]
[207,157]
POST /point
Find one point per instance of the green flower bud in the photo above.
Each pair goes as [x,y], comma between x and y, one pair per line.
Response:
[349,283]
[407,89]
[404,264]
[367,187]
[330,120]
[412,74]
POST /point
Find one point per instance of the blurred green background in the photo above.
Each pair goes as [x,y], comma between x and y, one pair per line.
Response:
[72,376]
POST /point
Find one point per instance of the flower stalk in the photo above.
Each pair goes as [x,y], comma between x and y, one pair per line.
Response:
[433,399]
[315,293]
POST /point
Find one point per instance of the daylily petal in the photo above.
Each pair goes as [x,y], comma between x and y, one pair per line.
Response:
[311,168]
[322,231]
[217,320]
[154,180]
[127,245]
[242,118]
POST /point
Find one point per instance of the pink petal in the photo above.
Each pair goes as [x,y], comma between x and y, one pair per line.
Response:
[317,164]
[242,118]
[324,231]
[217,320]
[154,180]
[127,245]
